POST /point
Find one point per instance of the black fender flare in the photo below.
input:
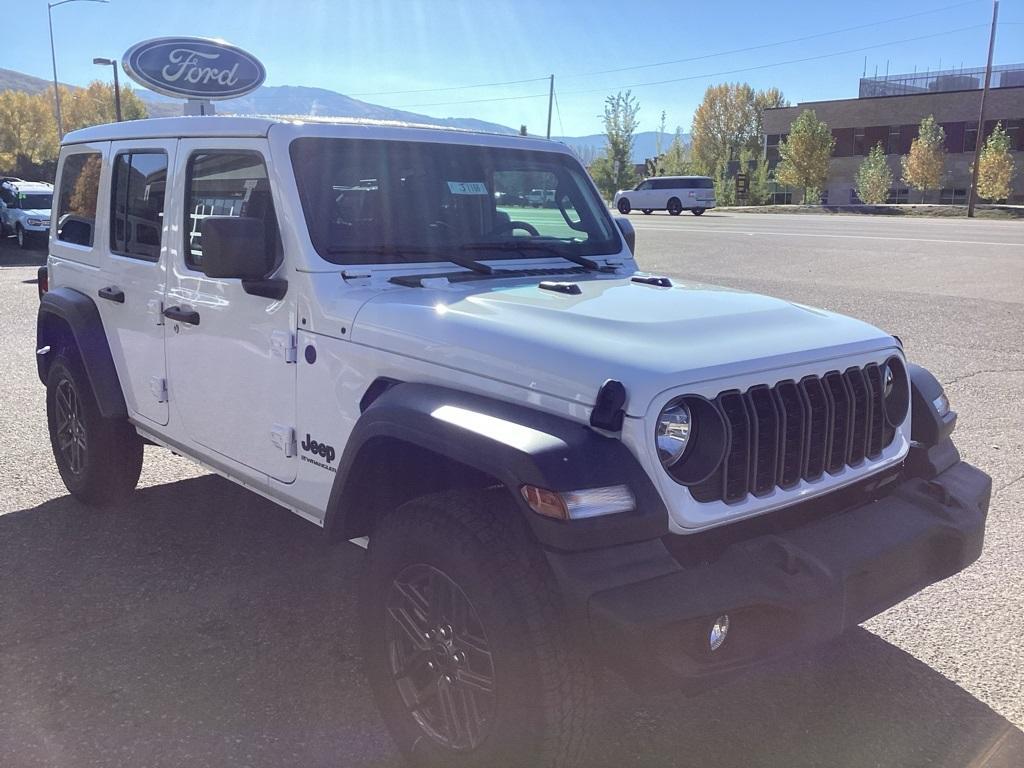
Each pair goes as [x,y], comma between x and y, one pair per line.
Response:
[514,444]
[79,313]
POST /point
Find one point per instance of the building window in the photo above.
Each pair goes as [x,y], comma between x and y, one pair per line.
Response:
[954,136]
[858,142]
[898,195]
[1015,130]
[854,197]
[894,146]
[953,196]
[844,142]
[970,137]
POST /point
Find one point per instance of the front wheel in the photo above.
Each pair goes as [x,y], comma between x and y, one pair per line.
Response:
[23,238]
[624,206]
[461,678]
[99,459]
[697,211]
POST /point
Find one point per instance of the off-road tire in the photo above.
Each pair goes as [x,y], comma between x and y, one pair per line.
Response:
[675,207]
[542,681]
[111,460]
[624,206]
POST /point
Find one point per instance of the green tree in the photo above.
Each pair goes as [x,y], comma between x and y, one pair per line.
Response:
[804,155]
[925,166]
[614,170]
[995,169]
[676,161]
[874,177]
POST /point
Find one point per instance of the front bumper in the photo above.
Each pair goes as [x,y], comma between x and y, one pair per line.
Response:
[782,590]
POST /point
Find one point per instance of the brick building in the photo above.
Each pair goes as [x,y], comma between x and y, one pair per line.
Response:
[889,110]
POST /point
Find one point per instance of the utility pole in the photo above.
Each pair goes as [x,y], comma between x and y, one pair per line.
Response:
[972,193]
[551,98]
[56,85]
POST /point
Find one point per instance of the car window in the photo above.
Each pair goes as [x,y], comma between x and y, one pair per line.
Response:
[138,184]
[226,183]
[420,200]
[79,188]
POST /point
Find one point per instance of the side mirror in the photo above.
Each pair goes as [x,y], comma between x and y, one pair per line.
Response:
[235,246]
[628,233]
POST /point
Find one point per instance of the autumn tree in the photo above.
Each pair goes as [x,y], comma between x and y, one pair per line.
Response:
[925,166]
[995,168]
[804,155]
[728,121]
[614,170]
[28,128]
[874,177]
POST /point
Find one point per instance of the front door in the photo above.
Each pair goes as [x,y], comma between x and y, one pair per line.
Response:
[230,354]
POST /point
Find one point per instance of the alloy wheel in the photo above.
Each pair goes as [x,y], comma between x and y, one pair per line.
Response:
[440,657]
[71,436]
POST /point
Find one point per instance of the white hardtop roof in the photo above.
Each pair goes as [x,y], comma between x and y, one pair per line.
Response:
[677,177]
[216,126]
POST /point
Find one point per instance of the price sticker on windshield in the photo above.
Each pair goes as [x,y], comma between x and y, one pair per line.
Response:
[467,187]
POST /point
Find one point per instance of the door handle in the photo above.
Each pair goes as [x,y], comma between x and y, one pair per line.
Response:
[188,316]
[111,293]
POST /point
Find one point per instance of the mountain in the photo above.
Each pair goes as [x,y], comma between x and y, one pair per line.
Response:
[645,144]
[298,100]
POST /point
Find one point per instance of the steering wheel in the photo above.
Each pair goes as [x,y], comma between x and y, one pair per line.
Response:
[508,226]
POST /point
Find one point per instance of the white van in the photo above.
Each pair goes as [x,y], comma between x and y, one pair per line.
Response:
[674,194]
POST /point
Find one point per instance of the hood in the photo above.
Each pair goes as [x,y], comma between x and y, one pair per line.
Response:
[651,339]
[36,213]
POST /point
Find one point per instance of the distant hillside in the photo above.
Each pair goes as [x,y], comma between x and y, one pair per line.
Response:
[19,81]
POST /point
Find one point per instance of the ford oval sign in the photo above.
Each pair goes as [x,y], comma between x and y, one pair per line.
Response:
[193,68]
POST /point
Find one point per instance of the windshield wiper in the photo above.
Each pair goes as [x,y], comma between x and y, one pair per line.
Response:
[402,253]
[532,245]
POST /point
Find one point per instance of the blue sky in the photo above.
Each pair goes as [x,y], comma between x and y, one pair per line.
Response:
[371,49]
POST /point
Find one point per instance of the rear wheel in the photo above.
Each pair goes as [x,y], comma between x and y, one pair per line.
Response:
[697,211]
[99,459]
[624,206]
[675,207]
[461,678]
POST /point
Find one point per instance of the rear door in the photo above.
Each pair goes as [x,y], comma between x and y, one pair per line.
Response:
[231,360]
[134,271]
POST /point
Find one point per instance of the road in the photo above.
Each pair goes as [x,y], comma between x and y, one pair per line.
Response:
[204,626]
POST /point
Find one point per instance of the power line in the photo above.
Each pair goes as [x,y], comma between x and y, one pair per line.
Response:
[450,88]
[775,44]
[706,75]
[781,63]
[703,57]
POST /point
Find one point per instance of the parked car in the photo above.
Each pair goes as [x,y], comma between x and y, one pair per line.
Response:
[674,194]
[25,210]
[559,461]
[541,198]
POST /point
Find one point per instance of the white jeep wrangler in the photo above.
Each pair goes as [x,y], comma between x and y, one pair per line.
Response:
[558,461]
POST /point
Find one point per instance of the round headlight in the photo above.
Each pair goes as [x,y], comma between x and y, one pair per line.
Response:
[673,432]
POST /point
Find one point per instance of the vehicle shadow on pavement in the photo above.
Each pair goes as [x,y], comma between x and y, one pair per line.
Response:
[203,625]
[12,256]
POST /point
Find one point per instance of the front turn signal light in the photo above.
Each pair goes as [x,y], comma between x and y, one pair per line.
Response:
[579,505]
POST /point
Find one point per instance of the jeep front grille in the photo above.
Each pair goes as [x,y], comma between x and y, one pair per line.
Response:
[797,430]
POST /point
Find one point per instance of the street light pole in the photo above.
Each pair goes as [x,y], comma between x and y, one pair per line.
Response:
[53,57]
[117,86]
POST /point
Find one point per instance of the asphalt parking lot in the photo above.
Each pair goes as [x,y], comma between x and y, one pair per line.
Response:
[204,626]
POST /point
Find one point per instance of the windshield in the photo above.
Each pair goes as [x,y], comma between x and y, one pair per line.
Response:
[402,201]
[35,202]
